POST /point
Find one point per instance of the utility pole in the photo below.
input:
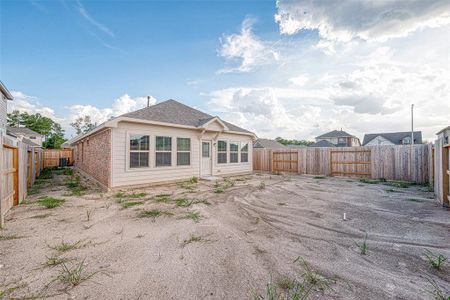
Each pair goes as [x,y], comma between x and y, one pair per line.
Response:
[148,101]
[411,144]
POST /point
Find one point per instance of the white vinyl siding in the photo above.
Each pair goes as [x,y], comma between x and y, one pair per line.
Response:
[123,176]
[3,112]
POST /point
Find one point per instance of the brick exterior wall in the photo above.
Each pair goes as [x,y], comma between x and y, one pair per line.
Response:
[93,156]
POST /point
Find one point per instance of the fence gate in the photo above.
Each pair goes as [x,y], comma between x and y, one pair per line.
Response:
[9,178]
[351,163]
[285,161]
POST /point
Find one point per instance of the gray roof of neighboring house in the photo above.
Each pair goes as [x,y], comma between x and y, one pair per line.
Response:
[174,112]
[30,143]
[267,144]
[295,146]
[5,91]
[322,143]
[395,137]
[23,131]
[335,133]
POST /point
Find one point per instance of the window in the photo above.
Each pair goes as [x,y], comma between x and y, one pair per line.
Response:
[244,152]
[139,151]
[234,152]
[163,151]
[183,151]
[221,152]
[205,149]
[406,140]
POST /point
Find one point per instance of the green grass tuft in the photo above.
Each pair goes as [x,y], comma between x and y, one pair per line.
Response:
[162,198]
[9,237]
[154,213]
[74,276]
[64,247]
[436,260]
[184,202]
[194,216]
[131,204]
[320,177]
[363,247]
[50,202]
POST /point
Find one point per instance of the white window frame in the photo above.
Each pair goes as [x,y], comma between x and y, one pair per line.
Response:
[183,151]
[237,152]
[240,152]
[129,151]
[226,152]
[165,151]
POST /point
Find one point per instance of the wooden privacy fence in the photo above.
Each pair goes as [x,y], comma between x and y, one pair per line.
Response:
[19,167]
[442,167]
[285,161]
[52,157]
[389,162]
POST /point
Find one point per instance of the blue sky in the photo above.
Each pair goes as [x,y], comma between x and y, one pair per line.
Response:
[292,68]
[149,47]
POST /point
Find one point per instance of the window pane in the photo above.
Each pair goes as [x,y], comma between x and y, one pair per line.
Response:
[244,157]
[222,146]
[183,158]
[183,144]
[244,147]
[205,149]
[221,158]
[234,147]
[163,159]
[163,143]
[138,159]
[233,157]
[139,142]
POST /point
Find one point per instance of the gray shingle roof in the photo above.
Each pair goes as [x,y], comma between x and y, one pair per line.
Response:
[30,143]
[395,137]
[267,144]
[322,143]
[335,133]
[174,112]
[23,131]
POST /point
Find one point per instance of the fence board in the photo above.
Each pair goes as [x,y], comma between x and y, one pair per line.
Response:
[389,162]
[52,156]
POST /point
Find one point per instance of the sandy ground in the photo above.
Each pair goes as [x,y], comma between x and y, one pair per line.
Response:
[247,236]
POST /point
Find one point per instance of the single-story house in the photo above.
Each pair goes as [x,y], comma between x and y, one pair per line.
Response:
[268,144]
[24,133]
[162,143]
[338,138]
[392,138]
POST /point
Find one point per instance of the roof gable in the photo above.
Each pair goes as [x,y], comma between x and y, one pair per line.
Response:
[268,144]
[394,137]
[23,131]
[334,133]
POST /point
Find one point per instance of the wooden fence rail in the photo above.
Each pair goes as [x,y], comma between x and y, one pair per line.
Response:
[52,157]
[389,162]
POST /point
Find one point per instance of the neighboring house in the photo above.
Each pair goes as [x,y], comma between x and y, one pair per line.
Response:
[268,144]
[163,143]
[5,96]
[392,138]
[26,134]
[336,138]
[295,146]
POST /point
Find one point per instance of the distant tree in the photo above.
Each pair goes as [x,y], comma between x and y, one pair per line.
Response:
[52,131]
[293,142]
[83,124]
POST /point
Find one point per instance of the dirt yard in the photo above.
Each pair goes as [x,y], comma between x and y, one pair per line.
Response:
[226,241]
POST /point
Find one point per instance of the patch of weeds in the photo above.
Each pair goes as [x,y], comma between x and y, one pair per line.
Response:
[320,177]
[286,283]
[436,291]
[393,191]
[193,239]
[50,202]
[193,180]
[55,261]
[259,250]
[261,185]
[363,247]
[435,260]
[119,195]
[68,172]
[46,174]
[154,213]
[399,183]
[184,202]
[162,198]
[219,190]
[194,216]
[372,181]
[203,201]
[281,203]
[126,205]
[75,186]
[227,183]
[137,195]
[65,247]
[73,276]
[414,200]
[139,236]
[9,237]
[41,216]
[79,191]
[89,213]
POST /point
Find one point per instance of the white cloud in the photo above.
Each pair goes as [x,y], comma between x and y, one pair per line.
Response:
[367,20]
[120,106]
[29,104]
[299,80]
[245,49]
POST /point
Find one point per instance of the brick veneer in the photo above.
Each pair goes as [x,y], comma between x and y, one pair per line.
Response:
[93,156]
